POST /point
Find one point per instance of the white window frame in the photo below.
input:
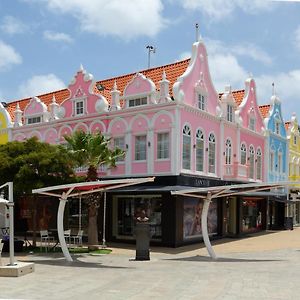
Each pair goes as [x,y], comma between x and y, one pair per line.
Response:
[163,145]
[77,101]
[119,142]
[186,147]
[34,118]
[243,156]
[228,152]
[230,113]
[201,101]
[140,148]
[199,151]
[251,162]
[259,164]
[272,160]
[212,153]
[252,122]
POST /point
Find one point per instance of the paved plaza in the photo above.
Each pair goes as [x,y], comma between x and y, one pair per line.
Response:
[262,266]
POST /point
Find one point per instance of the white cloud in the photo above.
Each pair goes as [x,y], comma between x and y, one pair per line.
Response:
[8,56]
[40,84]
[220,9]
[126,19]
[297,38]
[243,49]
[57,36]
[11,25]
[286,87]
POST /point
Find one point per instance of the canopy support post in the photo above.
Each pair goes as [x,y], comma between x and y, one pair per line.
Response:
[104,220]
[206,203]
[60,227]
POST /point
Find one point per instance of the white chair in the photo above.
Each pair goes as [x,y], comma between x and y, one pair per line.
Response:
[1,247]
[78,238]
[67,236]
[45,239]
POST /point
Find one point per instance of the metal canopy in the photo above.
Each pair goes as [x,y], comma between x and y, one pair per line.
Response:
[63,192]
[207,194]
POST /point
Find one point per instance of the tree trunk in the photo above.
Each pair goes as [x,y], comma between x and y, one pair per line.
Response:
[93,225]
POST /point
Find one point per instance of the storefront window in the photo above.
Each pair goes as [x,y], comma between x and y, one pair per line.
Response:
[252,215]
[192,210]
[129,209]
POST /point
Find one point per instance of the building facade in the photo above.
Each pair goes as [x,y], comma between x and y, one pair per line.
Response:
[173,125]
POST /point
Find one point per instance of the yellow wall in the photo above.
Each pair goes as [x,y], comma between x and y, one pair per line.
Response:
[294,155]
[3,129]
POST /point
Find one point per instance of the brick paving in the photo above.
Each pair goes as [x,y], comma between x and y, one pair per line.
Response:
[263,266]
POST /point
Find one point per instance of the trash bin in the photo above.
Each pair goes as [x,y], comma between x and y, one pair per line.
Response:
[288,223]
[142,235]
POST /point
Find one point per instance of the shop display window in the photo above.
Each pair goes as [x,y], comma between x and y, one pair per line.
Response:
[252,215]
[131,207]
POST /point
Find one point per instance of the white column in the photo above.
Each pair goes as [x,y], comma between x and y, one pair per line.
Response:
[206,240]
[60,229]
[11,224]
[104,221]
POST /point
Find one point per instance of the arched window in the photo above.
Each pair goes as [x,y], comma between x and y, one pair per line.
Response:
[243,154]
[212,153]
[279,164]
[251,162]
[228,150]
[199,150]
[186,147]
[258,165]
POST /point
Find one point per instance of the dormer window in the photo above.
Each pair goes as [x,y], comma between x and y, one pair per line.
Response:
[252,123]
[34,120]
[230,113]
[79,108]
[277,127]
[201,101]
[137,101]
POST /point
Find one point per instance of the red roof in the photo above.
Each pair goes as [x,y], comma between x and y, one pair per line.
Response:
[173,71]
[264,110]
[238,96]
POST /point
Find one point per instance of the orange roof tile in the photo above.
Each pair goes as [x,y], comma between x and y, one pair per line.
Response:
[264,110]
[238,96]
[173,71]
[60,96]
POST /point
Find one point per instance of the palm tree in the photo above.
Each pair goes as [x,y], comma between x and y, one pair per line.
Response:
[92,150]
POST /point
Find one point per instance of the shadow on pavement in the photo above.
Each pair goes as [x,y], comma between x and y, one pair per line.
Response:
[220,259]
[61,261]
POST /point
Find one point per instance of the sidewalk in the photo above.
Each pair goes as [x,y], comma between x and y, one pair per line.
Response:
[263,266]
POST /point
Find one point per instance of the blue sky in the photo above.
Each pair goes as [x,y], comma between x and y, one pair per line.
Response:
[43,42]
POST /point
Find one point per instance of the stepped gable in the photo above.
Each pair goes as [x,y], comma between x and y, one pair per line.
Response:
[264,110]
[60,96]
[173,71]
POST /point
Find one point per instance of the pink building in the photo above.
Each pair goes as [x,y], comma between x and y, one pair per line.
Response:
[174,125]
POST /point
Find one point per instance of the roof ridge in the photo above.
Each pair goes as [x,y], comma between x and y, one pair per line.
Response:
[144,70]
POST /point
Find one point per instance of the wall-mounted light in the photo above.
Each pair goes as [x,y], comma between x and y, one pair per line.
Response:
[194,146]
[224,153]
[149,144]
[206,149]
[126,146]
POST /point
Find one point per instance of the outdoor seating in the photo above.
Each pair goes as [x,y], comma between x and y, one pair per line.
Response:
[67,236]
[77,239]
[45,239]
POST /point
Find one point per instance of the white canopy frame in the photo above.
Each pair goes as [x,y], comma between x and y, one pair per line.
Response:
[10,204]
[207,194]
[63,192]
